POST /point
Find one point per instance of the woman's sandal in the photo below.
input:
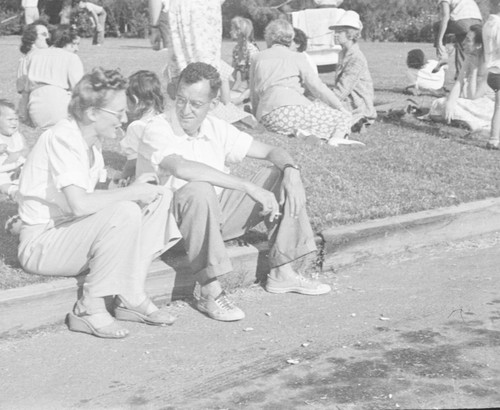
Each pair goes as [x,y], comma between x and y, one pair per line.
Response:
[83,323]
[124,311]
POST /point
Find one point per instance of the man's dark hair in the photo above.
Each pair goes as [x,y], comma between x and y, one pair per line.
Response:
[196,72]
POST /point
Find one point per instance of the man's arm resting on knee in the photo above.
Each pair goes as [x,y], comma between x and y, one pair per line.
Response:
[194,171]
[292,188]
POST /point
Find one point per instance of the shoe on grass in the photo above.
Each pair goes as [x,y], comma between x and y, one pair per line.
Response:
[297,284]
[220,308]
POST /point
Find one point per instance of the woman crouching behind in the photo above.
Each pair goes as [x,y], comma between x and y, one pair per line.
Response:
[69,228]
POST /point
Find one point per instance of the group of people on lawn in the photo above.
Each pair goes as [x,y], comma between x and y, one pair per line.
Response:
[175,183]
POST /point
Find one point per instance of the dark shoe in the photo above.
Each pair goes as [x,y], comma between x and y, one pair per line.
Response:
[220,308]
[493,145]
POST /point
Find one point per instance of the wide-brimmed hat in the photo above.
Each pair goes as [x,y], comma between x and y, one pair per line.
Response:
[349,19]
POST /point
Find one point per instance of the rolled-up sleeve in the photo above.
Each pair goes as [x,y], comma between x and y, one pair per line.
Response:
[236,144]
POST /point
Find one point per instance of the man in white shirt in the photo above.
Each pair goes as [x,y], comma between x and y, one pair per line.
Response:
[189,149]
[31,12]
[455,17]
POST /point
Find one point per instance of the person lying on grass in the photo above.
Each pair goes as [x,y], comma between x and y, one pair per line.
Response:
[189,148]
[69,229]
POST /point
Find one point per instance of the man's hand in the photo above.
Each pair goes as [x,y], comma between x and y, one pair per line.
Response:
[442,52]
[292,190]
[267,200]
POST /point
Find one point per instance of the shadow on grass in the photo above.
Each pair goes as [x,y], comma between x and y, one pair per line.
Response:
[457,133]
[131,47]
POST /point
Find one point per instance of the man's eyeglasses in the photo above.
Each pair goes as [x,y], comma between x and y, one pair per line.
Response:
[196,105]
[118,114]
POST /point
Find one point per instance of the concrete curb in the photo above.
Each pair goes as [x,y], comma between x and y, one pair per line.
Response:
[348,244]
[37,305]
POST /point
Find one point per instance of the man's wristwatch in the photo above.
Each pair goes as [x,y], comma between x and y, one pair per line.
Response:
[291,166]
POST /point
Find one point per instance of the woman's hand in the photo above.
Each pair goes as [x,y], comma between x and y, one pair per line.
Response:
[449,110]
[147,189]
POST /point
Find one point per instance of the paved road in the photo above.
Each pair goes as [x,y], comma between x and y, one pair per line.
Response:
[416,330]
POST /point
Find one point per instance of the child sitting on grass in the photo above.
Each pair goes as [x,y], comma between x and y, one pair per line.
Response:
[145,100]
[13,149]
[422,78]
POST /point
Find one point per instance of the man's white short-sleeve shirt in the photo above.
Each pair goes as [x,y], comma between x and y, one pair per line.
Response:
[216,144]
[463,9]
[60,158]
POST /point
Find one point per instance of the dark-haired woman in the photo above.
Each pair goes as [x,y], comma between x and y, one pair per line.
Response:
[35,36]
[69,229]
[470,99]
[52,74]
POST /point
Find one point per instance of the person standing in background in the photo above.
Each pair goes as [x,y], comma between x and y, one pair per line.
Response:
[194,34]
[98,18]
[455,17]
[491,40]
[31,12]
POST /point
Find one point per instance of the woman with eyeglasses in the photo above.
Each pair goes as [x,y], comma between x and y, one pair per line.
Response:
[108,236]
[52,74]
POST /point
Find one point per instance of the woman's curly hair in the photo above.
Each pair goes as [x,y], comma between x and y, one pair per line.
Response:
[279,31]
[30,35]
[94,90]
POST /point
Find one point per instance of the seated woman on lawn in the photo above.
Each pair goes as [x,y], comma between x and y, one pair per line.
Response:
[470,100]
[69,229]
[277,78]
[353,82]
[52,73]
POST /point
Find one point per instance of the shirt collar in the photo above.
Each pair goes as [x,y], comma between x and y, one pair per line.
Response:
[204,133]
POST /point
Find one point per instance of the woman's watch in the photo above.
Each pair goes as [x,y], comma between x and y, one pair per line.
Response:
[291,166]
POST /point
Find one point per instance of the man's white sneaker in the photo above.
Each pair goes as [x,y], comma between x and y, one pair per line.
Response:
[297,284]
[220,308]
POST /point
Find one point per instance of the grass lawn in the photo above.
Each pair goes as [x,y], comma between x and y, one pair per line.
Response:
[407,165]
